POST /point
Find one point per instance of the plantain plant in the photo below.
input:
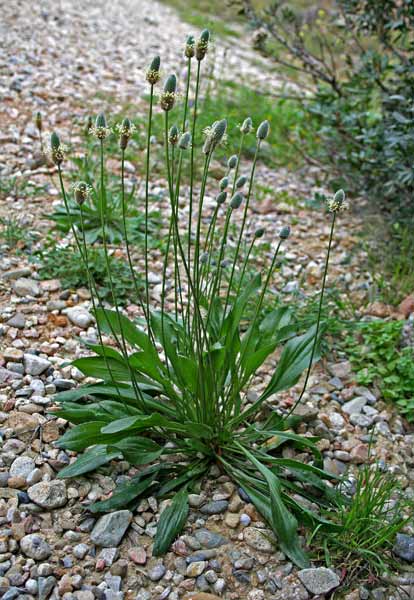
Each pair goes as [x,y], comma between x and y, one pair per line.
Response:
[171,390]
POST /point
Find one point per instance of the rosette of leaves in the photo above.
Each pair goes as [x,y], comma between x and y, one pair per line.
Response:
[171,394]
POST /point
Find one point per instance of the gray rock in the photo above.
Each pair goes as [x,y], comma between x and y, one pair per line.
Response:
[341,369]
[63,384]
[26,287]
[7,376]
[18,320]
[108,555]
[360,420]
[319,581]
[80,551]
[79,316]
[157,572]
[35,546]
[404,547]
[355,405]
[195,569]
[16,273]
[46,585]
[209,539]
[35,365]
[258,539]
[22,466]
[109,529]
[214,508]
[48,494]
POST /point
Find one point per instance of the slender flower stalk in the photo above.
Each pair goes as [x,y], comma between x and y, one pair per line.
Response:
[153,75]
[337,204]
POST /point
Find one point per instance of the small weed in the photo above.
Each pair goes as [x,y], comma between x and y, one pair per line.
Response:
[66,265]
[91,210]
[18,187]
[14,233]
[205,13]
[391,260]
[378,359]
[368,527]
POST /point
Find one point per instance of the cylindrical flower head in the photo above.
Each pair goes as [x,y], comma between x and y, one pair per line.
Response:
[221,198]
[259,232]
[39,121]
[202,44]
[215,136]
[56,150]
[153,72]
[173,135]
[241,181]
[224,183]
[263,130]
[82,192]
[170,84]
[338,202]
[184,141]
[54,141]
[189,47]
[246,126]
[232,162]
[101,130]
[168,95]
[125,131]
[236,201]
[284,233]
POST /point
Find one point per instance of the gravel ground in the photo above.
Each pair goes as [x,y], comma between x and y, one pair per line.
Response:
[66,59]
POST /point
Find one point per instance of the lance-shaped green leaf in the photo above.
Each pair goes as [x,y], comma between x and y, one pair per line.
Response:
[89,461]
[283,523]
[171,523]
[87,434]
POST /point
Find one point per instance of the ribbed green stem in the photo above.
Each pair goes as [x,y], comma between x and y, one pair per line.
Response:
[318,321]
[242,227]
[123,346]
[147,174]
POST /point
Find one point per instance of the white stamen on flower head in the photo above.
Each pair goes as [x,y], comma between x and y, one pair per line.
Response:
[338,203]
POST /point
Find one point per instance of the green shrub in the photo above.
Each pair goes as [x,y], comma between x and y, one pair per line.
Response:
[359,60]
[65,264]
[172,394]
[369,524]
[378,358]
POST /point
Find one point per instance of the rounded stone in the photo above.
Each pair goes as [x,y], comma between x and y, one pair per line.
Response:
[48,494]
[319,581]
[22,466]
[35,546]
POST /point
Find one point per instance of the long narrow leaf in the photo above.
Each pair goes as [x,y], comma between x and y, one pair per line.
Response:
[171,523]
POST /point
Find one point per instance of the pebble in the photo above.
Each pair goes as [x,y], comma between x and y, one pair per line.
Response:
[35,365]
[257,539]
[138,555]
[214,508]
[355,405]
[35,546]
[48,494]
[26,287]
[109,529]
[157,572]
[210,539]
[80,550]
[22,466]
[80,317]
[195,569]
[404,547]
[319,581]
